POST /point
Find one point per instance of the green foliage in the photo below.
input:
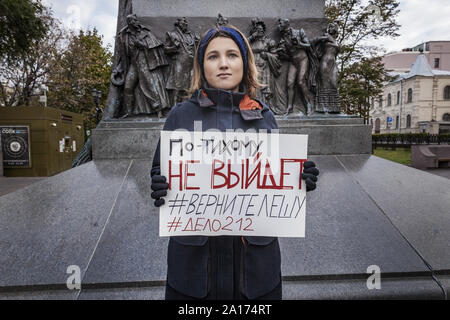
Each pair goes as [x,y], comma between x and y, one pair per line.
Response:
[358,24]
[70,65]
[406,136]
[21,24]
[83,66]
[393,139]
[22,77]
[359,83]
[362,73]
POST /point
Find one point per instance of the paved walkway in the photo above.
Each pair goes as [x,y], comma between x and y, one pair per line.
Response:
[8,185]
[443,172]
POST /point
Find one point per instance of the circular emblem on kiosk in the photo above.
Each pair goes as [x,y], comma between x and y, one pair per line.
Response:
[16,147]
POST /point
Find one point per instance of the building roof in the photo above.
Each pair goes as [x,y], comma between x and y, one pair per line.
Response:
[420,68]
[441,72]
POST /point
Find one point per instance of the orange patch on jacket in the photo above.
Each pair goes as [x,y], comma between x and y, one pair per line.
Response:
[249,104]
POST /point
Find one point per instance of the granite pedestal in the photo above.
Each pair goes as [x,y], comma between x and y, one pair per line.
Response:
[137,138]
[1,158]
[366,211]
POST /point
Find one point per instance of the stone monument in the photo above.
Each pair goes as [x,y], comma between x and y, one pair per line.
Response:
[288,63]
[299,75]
[95,225]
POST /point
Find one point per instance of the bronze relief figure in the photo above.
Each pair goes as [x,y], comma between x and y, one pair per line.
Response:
[266,60]
[326,49]
[221,20]
[296,49]
[180,47]
[298,76]
[141,60]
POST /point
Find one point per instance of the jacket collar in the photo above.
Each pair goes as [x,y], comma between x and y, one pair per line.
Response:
[249,109]
[217,95]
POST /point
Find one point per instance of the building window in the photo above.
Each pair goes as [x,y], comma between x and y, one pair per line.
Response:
[396,122]
[380,101]
[447,93]
[446,117]
[408,121]
[389,102]
[373,103]
[398,97]
[388,124]
[436,63]
[410,94]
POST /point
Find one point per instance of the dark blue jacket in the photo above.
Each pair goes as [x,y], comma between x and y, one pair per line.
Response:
[190,255]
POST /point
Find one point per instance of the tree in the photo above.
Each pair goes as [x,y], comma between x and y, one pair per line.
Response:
[362,73]
[70,65]
[21,24]
[22,77]
[83,66]
[361,82]
[358,24]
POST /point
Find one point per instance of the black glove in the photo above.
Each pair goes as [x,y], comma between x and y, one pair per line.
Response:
[159,187]
[310,173]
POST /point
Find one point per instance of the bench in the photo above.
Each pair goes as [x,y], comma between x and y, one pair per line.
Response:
[430,156]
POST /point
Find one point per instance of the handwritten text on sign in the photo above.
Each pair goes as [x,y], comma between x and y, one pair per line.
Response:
[230,183]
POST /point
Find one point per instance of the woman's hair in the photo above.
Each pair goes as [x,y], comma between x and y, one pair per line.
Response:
[250,78]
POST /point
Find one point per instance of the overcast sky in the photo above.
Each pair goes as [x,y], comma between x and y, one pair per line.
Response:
[76,14]
[420,20]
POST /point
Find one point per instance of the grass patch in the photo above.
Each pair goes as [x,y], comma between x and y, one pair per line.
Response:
[400,155]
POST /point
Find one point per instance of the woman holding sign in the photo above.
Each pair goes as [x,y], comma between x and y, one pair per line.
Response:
[224,86]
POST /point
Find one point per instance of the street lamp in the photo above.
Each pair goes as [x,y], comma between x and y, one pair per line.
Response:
[97,94]
[400,108]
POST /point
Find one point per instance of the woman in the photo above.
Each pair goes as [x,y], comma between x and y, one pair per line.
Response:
[226,267]
[327,49]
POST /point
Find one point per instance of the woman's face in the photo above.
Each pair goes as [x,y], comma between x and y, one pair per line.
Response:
[223,64]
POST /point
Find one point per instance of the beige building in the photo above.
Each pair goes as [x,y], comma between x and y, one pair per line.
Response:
[437,54]
[416,101]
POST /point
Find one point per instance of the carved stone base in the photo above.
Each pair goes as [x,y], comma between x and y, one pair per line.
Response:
[126,139]
[336,135]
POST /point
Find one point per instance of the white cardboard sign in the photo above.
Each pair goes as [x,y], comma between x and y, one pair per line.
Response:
[233,183]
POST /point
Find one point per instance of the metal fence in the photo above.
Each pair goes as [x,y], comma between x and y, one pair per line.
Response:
[393,141]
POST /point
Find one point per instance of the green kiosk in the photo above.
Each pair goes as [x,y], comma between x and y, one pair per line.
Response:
[39,141]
